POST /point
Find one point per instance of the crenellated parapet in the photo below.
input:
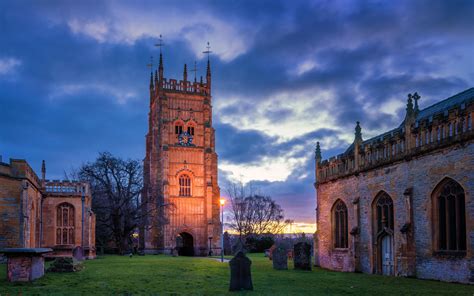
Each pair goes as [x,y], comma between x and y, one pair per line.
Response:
[184,86]
[436,127]
[66,187]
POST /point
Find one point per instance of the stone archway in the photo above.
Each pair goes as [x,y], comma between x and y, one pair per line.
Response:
[185,244]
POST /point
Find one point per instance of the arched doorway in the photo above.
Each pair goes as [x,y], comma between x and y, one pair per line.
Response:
[383,233]
[185,244]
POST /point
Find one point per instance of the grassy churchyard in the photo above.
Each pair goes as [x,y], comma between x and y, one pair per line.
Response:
[166,275]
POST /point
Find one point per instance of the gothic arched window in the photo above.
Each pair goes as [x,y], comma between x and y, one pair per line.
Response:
[340,224]
[65,224]
[184,185]
[384,213]
[450,213]
[178,128]
[191,130]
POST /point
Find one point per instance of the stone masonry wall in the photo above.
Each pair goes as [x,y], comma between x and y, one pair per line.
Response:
[422,174]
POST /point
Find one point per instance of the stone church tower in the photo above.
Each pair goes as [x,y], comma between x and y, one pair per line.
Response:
[180,168]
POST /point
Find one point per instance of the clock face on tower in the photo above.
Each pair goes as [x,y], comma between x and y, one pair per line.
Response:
[185,139]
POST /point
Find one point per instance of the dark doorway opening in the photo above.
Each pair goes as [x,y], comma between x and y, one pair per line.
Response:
[185,244]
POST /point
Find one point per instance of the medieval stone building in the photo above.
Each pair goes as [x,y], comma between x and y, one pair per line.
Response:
[401,203]
[180,168]
[38,213]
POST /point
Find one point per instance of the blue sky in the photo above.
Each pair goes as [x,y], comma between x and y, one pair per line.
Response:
[74,82]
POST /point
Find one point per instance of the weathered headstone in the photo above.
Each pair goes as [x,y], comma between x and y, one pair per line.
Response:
[302,256]
[240,276]
[280,258]
[78,253]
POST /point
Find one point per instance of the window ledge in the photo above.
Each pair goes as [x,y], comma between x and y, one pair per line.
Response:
[449,254]
[340,250]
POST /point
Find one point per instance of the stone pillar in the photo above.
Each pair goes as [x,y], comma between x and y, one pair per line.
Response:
[407,259]
[355,231]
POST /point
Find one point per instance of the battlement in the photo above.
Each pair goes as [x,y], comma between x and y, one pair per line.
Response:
[66,187]
[184,86]
[441,125]
[19,168]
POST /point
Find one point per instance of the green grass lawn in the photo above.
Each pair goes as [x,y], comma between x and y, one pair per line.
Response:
[164,275]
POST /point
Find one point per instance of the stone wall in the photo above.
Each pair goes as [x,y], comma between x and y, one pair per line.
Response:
[413,256]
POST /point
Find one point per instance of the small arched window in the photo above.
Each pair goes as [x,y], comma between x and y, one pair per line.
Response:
[450,211]
[340,225]
[65,224]
[184,185]
[191,130]
[178,128]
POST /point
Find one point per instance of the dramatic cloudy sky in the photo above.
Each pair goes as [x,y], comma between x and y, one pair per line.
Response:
[74,82]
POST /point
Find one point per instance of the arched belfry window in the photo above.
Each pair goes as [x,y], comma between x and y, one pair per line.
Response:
[340,225]
[65,224]
[178,128]
[450,216]
[191,130]
[384,213]
[184,185]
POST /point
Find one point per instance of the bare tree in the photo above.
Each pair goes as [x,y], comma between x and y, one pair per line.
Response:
[116,186]
[254,214]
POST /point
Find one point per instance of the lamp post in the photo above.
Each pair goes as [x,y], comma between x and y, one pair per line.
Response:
[222,202]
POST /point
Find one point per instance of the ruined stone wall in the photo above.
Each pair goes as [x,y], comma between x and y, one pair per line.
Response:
[412,255]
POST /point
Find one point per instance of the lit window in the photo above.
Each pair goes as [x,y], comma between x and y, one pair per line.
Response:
[65,224]
[184,185]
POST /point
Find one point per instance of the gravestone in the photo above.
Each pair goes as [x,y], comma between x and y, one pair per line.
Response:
[302,256]
[240,276]
[78,253]
[280,258]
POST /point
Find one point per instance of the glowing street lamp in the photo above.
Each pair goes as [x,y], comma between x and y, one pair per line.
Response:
[222,202]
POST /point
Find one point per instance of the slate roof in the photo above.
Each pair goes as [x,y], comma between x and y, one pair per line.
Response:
[461,98]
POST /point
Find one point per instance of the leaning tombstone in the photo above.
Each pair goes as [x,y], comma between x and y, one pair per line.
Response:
[240,276]
[302,256]
[280,258]
[270,251]
[78,253]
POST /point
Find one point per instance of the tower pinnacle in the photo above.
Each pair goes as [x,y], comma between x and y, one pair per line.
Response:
[185,73]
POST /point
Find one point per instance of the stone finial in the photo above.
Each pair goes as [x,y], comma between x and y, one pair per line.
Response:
[358,132]
[160,67]
[317,152]
[201,81]
[43,171]
[185,73]
[409,105]
[416,97]
[208,70]
[151,80]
